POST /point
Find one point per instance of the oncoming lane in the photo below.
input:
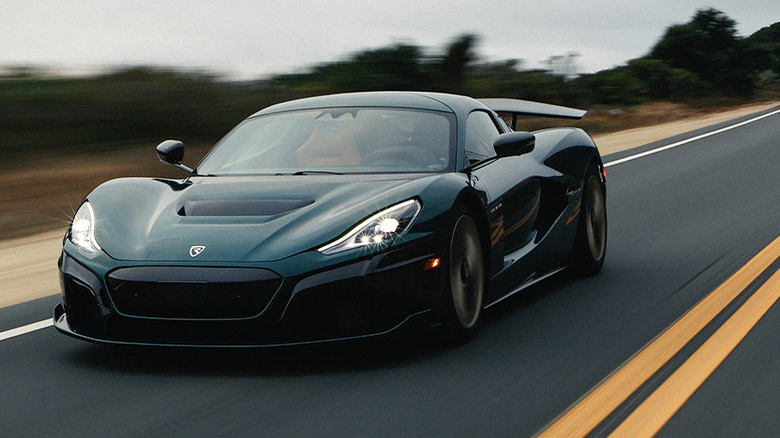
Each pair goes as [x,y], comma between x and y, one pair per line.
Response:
[664,402]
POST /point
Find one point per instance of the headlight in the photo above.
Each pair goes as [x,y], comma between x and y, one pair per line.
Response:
[379,228]
[82,230]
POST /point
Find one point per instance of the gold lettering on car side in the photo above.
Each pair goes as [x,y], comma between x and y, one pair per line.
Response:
[574,213]
[497,230]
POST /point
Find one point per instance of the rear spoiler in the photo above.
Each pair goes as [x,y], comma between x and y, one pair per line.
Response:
[518,107]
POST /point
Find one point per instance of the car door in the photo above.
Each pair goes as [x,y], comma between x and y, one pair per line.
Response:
[513,192]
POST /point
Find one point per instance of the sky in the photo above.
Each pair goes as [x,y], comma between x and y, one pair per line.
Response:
[256,38]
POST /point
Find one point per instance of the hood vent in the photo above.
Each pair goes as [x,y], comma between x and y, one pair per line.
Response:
[265,207]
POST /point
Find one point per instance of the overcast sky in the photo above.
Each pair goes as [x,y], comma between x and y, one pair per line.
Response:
[261,37]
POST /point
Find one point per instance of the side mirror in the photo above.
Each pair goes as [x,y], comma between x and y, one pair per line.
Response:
[172,152]
[514,143]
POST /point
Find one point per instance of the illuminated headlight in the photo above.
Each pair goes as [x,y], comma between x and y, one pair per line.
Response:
[82,230]
[379,228]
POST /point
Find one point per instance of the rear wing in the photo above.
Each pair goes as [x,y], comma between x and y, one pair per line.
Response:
[518,107]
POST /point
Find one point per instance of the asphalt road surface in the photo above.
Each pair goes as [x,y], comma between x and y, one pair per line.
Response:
[687,228]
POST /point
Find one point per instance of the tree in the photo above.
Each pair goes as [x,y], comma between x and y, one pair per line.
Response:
[615,86]
[661,81]
[449,73]
[391,68]
[398,67]
[764,48]
[708,46]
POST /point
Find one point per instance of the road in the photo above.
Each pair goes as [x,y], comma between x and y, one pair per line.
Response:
[683,223]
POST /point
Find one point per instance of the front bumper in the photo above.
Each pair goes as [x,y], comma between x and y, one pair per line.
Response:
[367,296]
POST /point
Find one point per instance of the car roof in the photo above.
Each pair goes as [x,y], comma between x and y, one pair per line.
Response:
[392,99]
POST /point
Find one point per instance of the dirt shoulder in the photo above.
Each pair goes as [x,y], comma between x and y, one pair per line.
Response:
[631,138]
[44,198]
[28,267]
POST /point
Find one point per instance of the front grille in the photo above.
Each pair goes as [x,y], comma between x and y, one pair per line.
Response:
[192,293]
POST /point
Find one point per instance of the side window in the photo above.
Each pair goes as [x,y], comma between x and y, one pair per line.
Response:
[481,132]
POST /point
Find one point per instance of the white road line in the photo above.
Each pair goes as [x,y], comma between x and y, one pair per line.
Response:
[680,143]
[23,330]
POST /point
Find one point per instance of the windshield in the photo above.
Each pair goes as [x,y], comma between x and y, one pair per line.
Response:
[341,140]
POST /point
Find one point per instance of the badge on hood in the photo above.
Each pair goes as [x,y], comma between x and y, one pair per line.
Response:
[196,249]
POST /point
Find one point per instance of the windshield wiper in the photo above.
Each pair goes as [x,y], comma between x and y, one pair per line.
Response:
[316,172]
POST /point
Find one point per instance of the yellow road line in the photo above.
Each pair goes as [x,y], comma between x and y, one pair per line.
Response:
[599,402]
[664,402]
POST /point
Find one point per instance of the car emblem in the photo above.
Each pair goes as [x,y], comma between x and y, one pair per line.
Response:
[196,249]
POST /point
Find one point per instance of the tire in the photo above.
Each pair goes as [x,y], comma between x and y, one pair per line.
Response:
[464,282]
[590,242]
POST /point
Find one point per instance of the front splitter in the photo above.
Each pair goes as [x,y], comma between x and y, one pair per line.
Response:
[62,325]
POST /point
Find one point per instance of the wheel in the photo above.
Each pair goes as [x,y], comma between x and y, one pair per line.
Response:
[590,243]
[465,282]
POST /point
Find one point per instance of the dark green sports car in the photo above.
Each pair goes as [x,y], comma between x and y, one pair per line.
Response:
[336,217]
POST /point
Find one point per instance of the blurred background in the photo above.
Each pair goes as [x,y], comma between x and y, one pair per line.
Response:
[66,126]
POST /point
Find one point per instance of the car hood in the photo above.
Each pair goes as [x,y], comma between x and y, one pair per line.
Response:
[238,219]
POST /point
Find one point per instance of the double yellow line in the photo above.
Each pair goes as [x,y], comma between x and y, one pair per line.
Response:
[655,411]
